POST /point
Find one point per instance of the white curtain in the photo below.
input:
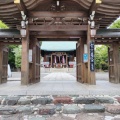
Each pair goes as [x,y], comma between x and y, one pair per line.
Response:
[63,60]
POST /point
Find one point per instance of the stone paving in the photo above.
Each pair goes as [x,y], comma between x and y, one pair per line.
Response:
[59,107]
[60,83]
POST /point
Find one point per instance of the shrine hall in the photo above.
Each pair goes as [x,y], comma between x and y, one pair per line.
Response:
[58,54]
[85,22]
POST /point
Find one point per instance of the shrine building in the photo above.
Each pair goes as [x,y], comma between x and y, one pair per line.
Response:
[58,54]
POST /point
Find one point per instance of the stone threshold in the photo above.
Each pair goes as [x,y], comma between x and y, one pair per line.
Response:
[60,107]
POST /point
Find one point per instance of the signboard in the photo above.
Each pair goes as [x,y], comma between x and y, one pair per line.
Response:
[30,55]
[85,57]
[92,64]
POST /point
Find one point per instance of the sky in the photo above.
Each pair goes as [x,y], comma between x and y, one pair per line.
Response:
[58,46]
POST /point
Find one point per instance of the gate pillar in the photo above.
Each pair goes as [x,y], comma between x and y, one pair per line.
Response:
[91,66]
[34,64]
[3,64]
[114,63]
[25,60]
[79,61]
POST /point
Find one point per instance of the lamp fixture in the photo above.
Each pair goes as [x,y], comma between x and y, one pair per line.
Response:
[23,32]
[93,32]
[23,24]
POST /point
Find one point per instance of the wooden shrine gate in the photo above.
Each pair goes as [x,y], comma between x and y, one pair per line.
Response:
[33,20]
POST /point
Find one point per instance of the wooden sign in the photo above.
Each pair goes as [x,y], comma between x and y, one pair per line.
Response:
[92,64]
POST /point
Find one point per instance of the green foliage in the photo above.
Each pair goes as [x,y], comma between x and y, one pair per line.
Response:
[2,25]
[116,24]
[14,58]
[17,52]
[11,56]
[101,57]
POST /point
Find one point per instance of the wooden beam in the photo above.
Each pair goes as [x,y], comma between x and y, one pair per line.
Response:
[5,1]
[21,6]
[94,6]
[57,39]
[37,14]
[10,43]
[58,27]
[61,34]
[102,43]
[114,2]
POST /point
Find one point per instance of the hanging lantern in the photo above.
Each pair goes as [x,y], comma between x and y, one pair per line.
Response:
[23,32]
[93,32]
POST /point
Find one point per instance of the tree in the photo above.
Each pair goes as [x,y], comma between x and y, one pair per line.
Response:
[101,57]
[17,52]
[11,55]
[2,25]
[116,24]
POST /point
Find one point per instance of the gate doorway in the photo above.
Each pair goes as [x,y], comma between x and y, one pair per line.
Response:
[35,52]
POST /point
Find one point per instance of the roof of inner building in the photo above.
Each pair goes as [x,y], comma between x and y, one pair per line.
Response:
[106,12]
[58,46]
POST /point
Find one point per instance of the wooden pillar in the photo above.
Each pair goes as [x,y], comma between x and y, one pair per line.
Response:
[32,67]
[45,58]
[37,63]
[119,64]
[91,73]
[51,61]
[114,63]
[66,60]
[77,61]
[77,70]
[1,62]
[25,60]
[79,58]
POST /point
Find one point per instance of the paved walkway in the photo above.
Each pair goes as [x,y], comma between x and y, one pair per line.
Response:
[60,83]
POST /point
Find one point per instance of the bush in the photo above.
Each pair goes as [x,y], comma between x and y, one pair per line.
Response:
[101,57]
[17,52]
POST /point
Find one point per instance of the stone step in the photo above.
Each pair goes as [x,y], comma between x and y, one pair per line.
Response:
[71,107]
[59,69]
